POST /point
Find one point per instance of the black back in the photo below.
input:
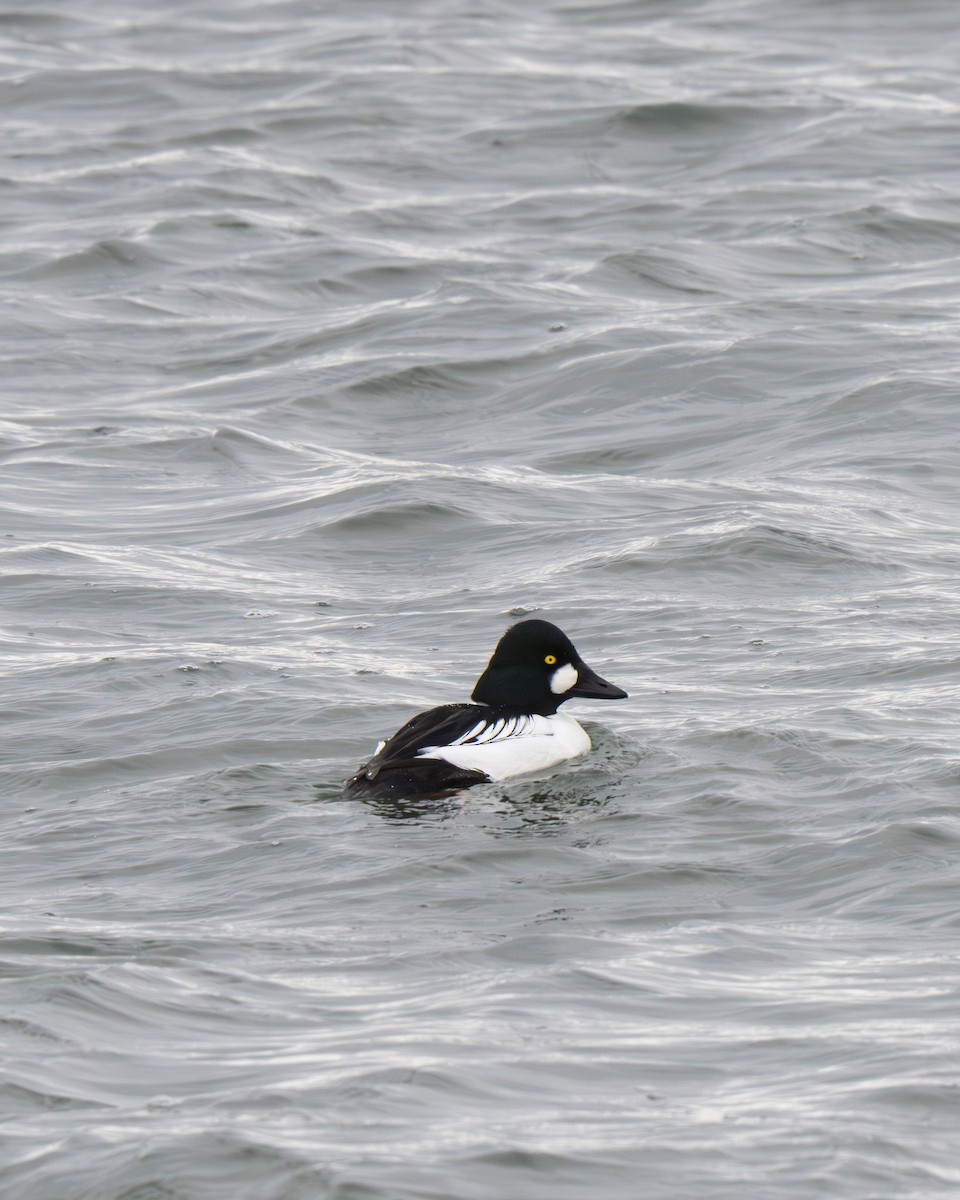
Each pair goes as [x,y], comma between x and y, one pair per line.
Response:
[397,771]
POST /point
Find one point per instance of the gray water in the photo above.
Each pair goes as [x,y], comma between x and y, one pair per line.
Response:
[337,337]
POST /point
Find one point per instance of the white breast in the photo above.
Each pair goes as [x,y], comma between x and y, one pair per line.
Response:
[515,746]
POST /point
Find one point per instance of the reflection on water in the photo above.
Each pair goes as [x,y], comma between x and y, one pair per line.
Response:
[333,348]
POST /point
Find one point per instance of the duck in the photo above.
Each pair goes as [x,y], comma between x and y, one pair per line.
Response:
[512,727]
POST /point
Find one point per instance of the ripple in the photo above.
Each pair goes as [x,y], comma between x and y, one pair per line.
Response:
[337,344]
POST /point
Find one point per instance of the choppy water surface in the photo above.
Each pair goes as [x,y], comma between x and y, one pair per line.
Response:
[336,337]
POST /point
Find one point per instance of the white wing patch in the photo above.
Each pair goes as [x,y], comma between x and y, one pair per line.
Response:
[506,727]
[514,745]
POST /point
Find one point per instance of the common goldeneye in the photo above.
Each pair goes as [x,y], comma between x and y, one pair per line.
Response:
[512,728]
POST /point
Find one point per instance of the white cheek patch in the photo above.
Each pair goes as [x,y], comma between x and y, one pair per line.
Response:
[563,679]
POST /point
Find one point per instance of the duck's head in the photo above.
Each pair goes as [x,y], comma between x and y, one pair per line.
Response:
[535,668]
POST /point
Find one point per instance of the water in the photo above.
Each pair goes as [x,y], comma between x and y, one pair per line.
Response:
[337,338]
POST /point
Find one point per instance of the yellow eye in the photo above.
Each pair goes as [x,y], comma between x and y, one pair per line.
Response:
[550,659]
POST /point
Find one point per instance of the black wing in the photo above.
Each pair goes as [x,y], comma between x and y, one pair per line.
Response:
[396,769]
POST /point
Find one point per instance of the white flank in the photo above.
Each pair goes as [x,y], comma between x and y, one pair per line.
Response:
[563,679]
[514,746]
